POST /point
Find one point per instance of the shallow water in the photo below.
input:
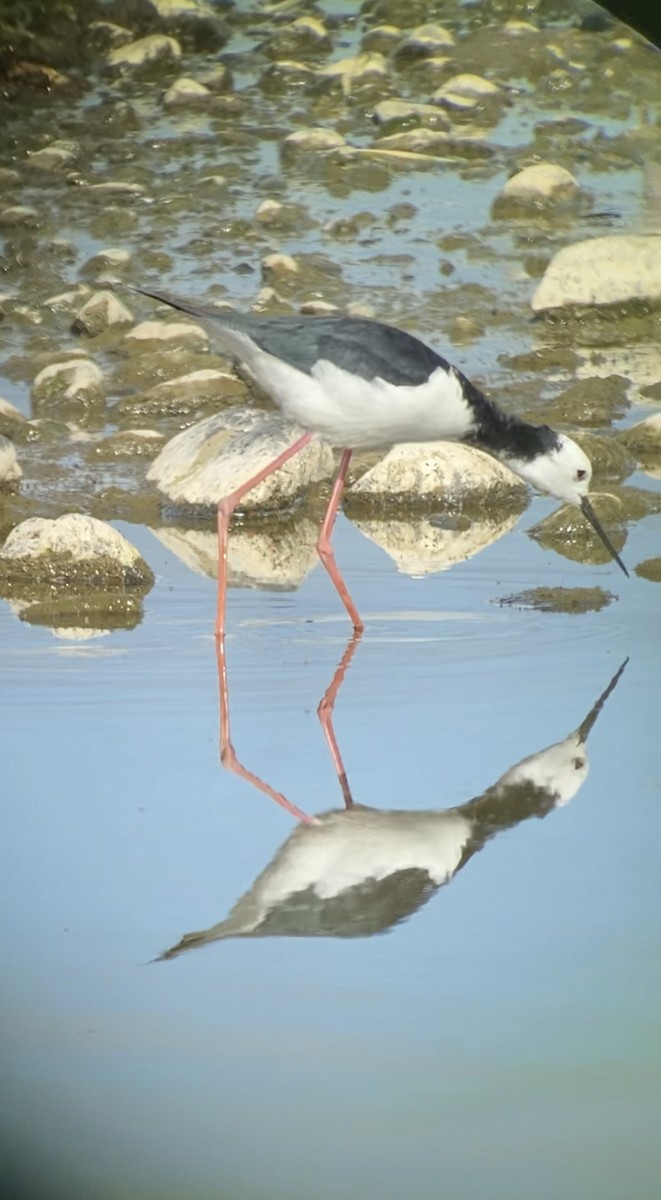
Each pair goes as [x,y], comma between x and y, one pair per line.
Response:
[498,1037]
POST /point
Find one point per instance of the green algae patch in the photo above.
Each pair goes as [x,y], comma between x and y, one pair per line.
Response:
[39,577]
[560,599]
[650,569]
[568,533]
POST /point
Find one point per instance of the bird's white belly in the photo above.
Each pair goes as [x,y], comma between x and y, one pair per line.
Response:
[356,413]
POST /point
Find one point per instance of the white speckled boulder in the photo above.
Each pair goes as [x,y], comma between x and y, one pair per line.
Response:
[605,270]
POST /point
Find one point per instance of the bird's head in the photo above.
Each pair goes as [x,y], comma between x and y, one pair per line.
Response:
[561,468]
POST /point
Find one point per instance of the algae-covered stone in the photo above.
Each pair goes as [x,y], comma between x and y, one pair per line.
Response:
[560,599]
[10,471]
[611,460]
[596,401]
[185,394]
[155,48]
[100,312]
[168,334]
[56,155]
[649,569]
[356,71]
[416,473]
[73,551]
[76,381]
[644,438]
[185,91]
[213,458]
[608,270]
[12,422]
[313,140]
[130,443]
[568,532]
[536,187]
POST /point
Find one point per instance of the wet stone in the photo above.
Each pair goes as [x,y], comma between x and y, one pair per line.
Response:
[211,459]
[312,140]
[643,438]
[596,401]
[55,156]
[102,311]
[73,551]
[536,187]
[185,91]
[568,532]
[183,395]
[75,381]
[649,569]
[19,215]
[560,599]
[355,72]
[168,334]
[603,271]
[612,461]
[144,52]
[12,422]
[425,40]
[130,443]
[10,471]
[459,476]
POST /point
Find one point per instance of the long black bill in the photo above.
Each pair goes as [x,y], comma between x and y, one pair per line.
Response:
[586,725]
[591,516]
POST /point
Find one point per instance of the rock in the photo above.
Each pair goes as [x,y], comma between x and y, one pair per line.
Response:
[168,334]
[12,420]
[356,70]
[185,91]
[75,380]
[73,551]
[568,532]
[120,187]
[54,156]
[280,555]
[10,471]
[130,443]
[218,78]
[313,139]
[198,22]
[19,214]
[64,301]
[643,438]
[448,472]
[381,38]
[425,40]
[278,268]
[608,270]
[303,36]
[208,461]
[536,187]
[390,111]
[472,87]
[100,312]
[184,394]
[649,569]
[434,142]
[111,257]
[419,547]
[155,48]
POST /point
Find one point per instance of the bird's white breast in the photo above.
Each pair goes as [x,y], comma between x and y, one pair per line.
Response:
[357,413]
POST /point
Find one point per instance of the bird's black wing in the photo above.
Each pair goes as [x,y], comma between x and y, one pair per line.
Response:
[365,348]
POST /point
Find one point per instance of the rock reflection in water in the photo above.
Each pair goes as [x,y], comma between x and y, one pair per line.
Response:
[271,555]
[359,871]
[418,547]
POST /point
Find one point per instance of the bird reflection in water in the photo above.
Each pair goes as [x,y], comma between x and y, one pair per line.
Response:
[357,871]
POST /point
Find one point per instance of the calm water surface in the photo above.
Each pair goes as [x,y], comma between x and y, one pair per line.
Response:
[515,1013]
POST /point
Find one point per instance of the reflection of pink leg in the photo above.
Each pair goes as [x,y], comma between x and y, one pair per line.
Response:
[225,510]
[324,546]
[325,714]
[227,754]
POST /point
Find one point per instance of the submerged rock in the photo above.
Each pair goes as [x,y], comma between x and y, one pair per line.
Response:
[184,394]
[606,270]
[73,551]
[536,187]
[560,599]
[211,459]
[568,532]
[649,569]
[313,140]
[185,91]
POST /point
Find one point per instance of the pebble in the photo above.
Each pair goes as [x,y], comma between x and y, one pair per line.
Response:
[102,311]
[156,47]
[185,91]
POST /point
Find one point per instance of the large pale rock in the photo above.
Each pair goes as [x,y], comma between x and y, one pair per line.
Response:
[211,459]
[157,47]
[73,551]
[10,471]
[276,556]
[76,380]
[541,184]
[417,547]
[425,40]
[605,270]
[447,472]
[464,92]
[12,421]
[644,437]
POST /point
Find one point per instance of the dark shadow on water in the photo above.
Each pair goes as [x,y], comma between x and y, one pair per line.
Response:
[358,871]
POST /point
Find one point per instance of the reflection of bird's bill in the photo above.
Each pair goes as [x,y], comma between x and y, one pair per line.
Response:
[591,516]
[586,725]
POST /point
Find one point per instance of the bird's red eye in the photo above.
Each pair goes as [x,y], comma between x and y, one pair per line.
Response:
[581,474]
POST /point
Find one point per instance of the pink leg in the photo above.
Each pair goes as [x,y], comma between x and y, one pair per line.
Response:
[325,714]
[225,510]
[324,548]
[227,754]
